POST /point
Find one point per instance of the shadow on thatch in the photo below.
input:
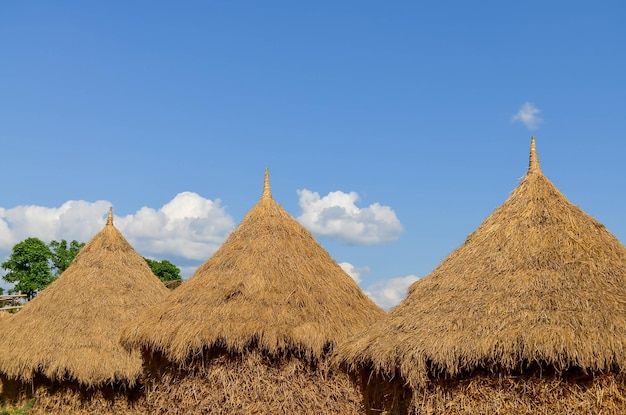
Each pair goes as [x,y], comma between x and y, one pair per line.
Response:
[538,289]
[69,333]
[72,398]
[252,329]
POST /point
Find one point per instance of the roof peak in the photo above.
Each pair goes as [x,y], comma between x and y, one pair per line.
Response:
[266,185]
[110,217]
[533,165]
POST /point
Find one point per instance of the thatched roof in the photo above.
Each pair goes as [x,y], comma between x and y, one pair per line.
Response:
[270,286]
[538,283]
[70,331]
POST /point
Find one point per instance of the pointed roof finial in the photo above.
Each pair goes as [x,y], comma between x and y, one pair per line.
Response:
[533,166]
[266,184]
[110,217]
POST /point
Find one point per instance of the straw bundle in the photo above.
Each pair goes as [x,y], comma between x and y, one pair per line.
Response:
[251,383]
[70,331]
[539,287]
[3,316]
[271,294]
[524,395]
[71,398]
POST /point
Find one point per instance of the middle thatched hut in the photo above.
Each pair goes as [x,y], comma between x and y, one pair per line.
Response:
[251,331]
[528,316]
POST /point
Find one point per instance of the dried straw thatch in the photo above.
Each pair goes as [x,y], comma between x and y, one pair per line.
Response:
[271,302]
[69,333]
[172,285]
[538,292]
[4,316]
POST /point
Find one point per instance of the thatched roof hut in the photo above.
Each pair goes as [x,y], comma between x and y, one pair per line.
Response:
[527,316]
[250,331]
[67,338]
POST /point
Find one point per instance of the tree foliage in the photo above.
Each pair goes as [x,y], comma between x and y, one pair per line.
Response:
[28,267]
[62,255]
[164,270]
[33,265]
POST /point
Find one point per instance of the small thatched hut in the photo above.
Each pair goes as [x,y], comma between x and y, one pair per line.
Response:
[63,347]
[528,316]
[251,331]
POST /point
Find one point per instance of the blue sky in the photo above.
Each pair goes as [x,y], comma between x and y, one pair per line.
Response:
[391,130]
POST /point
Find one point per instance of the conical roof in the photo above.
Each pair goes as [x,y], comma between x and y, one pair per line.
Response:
[269,286]
[538,282]
[71,329]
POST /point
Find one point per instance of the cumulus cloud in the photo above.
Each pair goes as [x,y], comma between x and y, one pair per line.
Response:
[527,115]
[388,293]
[353,271]
[75,219]
[337,216]
[188,226]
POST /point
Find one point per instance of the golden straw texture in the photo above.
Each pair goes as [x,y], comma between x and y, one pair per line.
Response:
[250,332]
[539,284]
[70,331]
[270,285]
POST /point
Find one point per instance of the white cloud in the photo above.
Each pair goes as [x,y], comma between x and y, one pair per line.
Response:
[75,219]
[188,271]
[388,293]
[353,271]
[337,216]
[527,115]
[188,226]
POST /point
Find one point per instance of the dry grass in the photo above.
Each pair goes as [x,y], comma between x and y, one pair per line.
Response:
[270,284]
[509,395]
[71,398]
[274,304]
[252,383]
[539,283]
[70,331]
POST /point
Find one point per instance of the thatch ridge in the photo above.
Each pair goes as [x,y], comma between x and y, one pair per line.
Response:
[539,283]
[70,331]
[270,286]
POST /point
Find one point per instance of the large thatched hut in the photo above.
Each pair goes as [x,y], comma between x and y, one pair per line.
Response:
[527,316]
[63,347]
[252,329]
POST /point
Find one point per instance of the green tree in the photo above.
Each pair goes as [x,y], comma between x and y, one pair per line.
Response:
[62,255]
[28,267]
[164,270]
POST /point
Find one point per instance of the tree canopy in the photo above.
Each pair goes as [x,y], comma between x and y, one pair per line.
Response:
[28,267]
[164,270]
[62,255]
[33,265]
